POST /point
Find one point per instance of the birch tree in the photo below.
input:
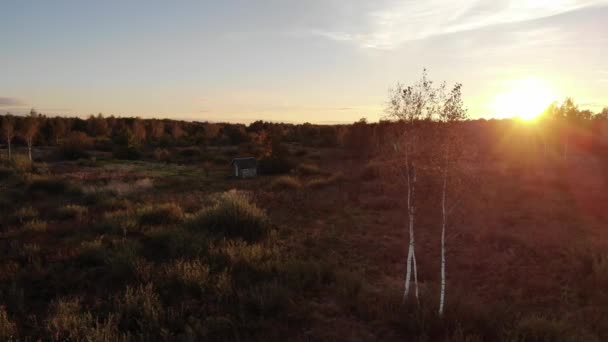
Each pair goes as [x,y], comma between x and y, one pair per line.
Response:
[451,112]
[29,130]
[8,131]
[410,105]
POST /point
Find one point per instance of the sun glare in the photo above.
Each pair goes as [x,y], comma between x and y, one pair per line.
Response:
[525,100]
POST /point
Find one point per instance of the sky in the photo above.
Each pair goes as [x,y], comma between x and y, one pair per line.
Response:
[320,61]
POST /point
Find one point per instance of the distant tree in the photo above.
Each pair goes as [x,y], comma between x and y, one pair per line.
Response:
[177,131]
[157,129]
[603,115]
[29,130]
[97,126]
[59,128]
[8,131]
[139,130]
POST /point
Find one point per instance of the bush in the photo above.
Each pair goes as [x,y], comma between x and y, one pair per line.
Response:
[35,226]
[72,211]
[168,213]
[26,213]
[174,243]
[140,310]
[67,322]
[75,146]
[21,163]
[286,183]
[190,152]
[274,165]
[49,185]
[161,155]
[233,215]
[190,273]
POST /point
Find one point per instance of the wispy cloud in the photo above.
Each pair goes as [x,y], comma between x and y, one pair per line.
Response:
[11,102]
[400,21]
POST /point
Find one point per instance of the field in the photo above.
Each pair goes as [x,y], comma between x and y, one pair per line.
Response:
[107,249]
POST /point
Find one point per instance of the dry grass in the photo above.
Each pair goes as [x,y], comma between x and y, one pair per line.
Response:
[285,183]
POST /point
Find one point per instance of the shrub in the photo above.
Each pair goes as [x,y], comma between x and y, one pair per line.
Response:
[191,273]
[174,243]
[68,322]
[26,213]
[140,310]
[274,165]
[75,146]
[233,215]
[35,226]
[72,211]
[161,155]
[167,213]
[286,183]
[8,328]
[22,163]
[122,259]
[49,185]
[190,152]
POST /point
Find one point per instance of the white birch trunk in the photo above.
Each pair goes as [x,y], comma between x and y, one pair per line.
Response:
[9,149]
[29,149]
[444,220]
[411,259]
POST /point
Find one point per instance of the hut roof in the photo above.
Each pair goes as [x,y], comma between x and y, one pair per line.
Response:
[244,163]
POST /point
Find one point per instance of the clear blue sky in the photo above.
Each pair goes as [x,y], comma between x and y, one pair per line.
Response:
[314,60]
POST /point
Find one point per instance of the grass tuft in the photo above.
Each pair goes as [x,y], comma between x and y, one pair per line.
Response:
[235,216]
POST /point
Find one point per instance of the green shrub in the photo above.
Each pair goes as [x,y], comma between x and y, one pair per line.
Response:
[286,183]
[8,328]
[233,215]
[71,211]
[160,214]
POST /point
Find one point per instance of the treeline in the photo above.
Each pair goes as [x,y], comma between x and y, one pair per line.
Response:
[559,128]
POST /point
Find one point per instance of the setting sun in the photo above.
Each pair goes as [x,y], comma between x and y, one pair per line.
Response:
[526,99]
